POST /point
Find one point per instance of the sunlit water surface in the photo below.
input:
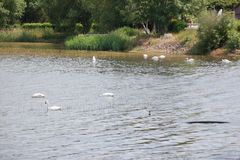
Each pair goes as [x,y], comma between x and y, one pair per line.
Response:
[94,127]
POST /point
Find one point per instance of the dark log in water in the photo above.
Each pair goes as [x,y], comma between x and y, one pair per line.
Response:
[207,122]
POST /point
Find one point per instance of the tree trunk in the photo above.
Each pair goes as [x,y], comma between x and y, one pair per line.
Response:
[145,27]
[154,30]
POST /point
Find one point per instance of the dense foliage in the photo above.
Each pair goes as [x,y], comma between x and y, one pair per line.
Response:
[222,4]
[11,11]
[104,16]
[234,37]
[176,25]
[34,12]
[217,31]
[233,40]
[213,31]
[64,14]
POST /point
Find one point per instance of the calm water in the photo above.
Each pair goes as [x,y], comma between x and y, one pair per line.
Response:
[94,127]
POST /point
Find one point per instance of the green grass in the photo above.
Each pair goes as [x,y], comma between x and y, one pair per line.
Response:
[118,40]
[29,35]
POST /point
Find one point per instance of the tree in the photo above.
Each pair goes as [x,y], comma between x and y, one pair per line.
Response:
[34,12]
[192,8]
[64,14]
[138,12]
[106,14]
[3,15]
[155,15]
[10,11]
[222,4]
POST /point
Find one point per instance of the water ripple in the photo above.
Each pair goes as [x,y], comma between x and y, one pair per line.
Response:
[94,127]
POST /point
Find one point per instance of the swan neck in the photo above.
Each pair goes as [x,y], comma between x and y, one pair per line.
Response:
[47,104]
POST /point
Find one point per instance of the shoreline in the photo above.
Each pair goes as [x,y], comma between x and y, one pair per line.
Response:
[58,49]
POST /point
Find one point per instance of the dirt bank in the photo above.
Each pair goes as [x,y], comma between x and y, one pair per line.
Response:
[168,44]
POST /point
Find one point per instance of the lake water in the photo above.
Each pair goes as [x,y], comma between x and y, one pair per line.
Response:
[94,127]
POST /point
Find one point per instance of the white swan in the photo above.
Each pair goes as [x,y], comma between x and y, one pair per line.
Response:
[52,108]
[108,94]
[226,61]
[189,60]
[145,56]
[155,58]
[38,95]
[162,56]
[94,59]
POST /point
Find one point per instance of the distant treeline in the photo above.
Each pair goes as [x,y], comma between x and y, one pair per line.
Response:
[102,16]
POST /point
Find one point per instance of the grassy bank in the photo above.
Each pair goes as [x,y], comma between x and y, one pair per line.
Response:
[132,40]
[30,35]
[118,40]
[123,39]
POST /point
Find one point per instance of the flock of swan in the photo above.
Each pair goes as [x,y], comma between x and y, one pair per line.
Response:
[51,108]
[154,58]
[161,57]
[145,56]
[59,108]
[188,60]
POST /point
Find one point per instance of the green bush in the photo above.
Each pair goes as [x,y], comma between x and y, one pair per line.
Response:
[127,31]
[233,40]
[93,28]
[37,25]
[78,28]
[118,40]
[237,24]
[176,25]
[213,31]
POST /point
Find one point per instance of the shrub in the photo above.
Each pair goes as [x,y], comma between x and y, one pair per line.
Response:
[187,37]
[213,31]
[37,25]
[118,40]
[176,25]
[233,40]
[78,28]
[93,27]
[127,31]
[237,25]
